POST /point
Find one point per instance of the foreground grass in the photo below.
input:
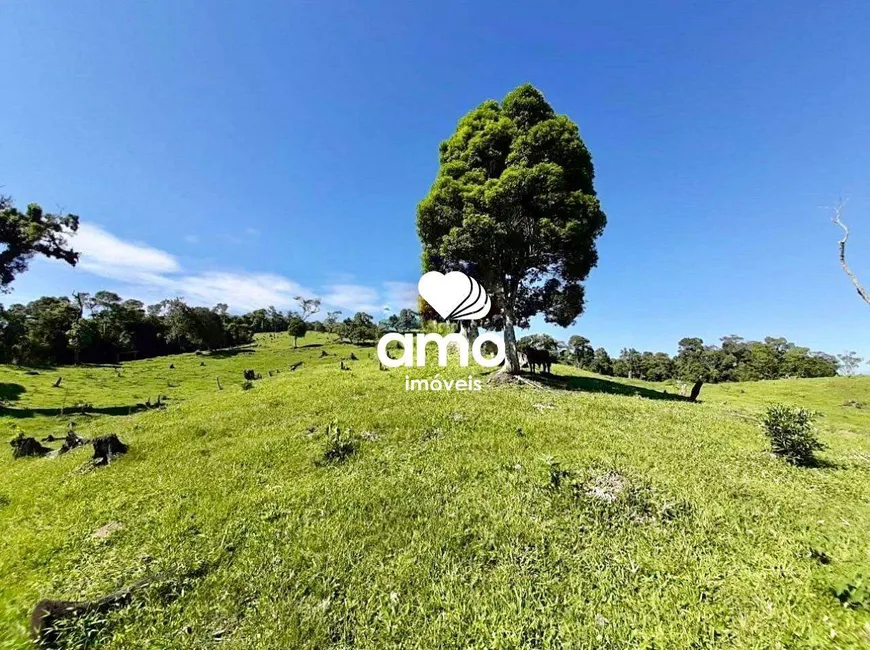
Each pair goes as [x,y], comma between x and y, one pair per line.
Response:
[445,528]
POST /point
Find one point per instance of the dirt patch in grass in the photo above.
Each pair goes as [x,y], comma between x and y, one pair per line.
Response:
[607,487]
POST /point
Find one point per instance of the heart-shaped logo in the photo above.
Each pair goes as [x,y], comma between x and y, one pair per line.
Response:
[454,295]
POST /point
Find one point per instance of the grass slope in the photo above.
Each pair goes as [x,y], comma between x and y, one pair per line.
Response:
[444,528]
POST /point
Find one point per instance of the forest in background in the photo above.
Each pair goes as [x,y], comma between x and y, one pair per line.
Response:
[105,328]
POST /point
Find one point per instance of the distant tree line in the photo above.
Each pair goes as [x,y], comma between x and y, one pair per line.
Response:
[734,359]
[104,328]
[361,327]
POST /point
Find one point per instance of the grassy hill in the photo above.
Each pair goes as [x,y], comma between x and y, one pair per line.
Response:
[598,514]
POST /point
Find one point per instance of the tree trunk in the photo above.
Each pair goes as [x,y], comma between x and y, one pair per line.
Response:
[696,390]
[511,359]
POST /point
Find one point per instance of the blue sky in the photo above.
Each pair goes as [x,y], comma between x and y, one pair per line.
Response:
[243,152]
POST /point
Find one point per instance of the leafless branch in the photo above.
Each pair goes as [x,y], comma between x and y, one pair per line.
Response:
[838,212]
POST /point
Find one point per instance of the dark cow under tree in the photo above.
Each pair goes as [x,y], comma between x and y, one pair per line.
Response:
[534,357]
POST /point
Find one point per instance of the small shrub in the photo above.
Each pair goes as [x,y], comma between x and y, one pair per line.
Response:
[854,592]
[791,432]
[557,473]
[339,446]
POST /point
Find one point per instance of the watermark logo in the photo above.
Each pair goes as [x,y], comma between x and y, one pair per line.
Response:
[455,296]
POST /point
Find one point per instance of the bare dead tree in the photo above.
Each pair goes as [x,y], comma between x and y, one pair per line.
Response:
[838,212]
[310,306]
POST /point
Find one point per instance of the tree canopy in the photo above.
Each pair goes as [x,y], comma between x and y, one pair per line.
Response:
[407,320]
[513,204]
[29,233]
[539,342]
[105,328]
[297,327]
[358,329]
[733,360]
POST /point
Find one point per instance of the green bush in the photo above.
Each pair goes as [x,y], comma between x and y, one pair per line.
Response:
[854,592]
[791,432]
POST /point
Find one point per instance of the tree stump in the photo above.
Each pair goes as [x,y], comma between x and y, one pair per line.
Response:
[24,447]
[106,448]
[72,441]
[696,390]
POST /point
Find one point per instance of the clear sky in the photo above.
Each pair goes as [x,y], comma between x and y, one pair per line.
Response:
[245,151]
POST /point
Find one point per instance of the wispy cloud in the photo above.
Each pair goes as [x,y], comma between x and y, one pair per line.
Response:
[246,236]
[154,272]
[399,295]
[108,256]
[245,291]
[353,297]
[389,297]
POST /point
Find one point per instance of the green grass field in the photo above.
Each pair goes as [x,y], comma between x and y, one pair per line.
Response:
[600,514]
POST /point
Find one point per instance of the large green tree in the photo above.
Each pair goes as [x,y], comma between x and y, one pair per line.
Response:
[694,360]
[539,342]
[32,232]
[629,364]
[48,320]
[514,205]
[601,362]
[297,327]
[358,329]
[580,350]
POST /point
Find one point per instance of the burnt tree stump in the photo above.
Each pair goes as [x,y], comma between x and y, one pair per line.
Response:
[106,448]
[23,447]
[72,441]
